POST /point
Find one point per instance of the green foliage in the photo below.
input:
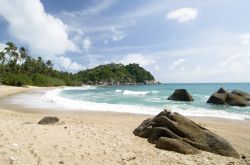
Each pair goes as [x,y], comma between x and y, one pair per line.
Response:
[18,68]
[16,79]
[45,81]
[114,74]
[138,73]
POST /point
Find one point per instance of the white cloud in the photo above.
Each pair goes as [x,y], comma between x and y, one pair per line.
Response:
[245,38]
[2,46]
[95,9]
[28,22]
[177,63]
[183,15]
[87,44]
[117,34]
[157,67]
[68,64]
[136,58]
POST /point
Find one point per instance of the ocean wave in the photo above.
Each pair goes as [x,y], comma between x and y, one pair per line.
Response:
[85,87]
[203,112]
[118,91]
[128,92]
[71,104]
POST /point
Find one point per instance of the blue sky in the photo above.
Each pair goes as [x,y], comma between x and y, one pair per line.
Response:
[177,41]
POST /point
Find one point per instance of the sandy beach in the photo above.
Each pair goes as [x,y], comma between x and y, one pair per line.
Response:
[99,138]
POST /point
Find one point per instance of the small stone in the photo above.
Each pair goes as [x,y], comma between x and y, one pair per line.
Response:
[48,120]
[61,162]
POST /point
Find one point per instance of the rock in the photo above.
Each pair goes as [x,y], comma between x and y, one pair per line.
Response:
[180,133]
[181,95]
[48,120]
[221,90]
[242,94]
[217,98]
[176,145]
[235,98]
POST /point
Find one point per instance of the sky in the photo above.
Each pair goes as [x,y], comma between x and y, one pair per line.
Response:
[178,41]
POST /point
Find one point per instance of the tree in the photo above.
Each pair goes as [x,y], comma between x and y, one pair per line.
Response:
[11,52]
[2,57]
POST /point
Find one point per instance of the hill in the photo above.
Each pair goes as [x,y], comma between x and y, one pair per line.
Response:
[116,74]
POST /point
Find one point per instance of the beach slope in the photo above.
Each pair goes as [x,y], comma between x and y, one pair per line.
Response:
[100,138]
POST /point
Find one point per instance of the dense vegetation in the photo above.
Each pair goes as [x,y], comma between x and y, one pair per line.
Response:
[18,68]
[116,74]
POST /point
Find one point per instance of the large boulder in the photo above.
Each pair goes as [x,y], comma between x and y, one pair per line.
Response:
[235,98]
[176,145]
[242,94]
[48,120]
[218,97]
[181,95]
[182,135]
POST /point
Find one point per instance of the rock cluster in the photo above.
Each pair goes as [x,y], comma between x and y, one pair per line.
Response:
[234,98]
[174,132]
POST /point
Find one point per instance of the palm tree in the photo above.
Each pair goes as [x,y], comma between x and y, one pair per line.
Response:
[2,57]
[49,63]
[11,51]
[22,56]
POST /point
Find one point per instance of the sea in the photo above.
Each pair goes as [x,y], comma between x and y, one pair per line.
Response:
[138,99]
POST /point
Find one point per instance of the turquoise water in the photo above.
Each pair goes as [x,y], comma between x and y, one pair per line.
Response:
[152,98]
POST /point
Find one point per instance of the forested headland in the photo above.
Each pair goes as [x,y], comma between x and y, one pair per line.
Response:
[19,68]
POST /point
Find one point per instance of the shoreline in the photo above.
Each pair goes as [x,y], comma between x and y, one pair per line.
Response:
[50,98]
[96,137]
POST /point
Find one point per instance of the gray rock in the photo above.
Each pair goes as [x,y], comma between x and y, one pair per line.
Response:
[48,120]
[181,95]
[242,94]
[176,145]
[235,98]
[177,127]
[217,98]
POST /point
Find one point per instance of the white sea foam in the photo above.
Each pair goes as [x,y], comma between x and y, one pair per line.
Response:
[53,96]
[118,91]
[85,87]
[127,92]
[202,112]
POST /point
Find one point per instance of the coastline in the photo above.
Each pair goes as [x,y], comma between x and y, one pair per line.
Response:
[99,138]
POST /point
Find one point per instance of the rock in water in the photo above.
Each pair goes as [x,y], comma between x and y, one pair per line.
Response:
[181,95]
[235,98]
[174,132]
[48,120]
[242,94]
